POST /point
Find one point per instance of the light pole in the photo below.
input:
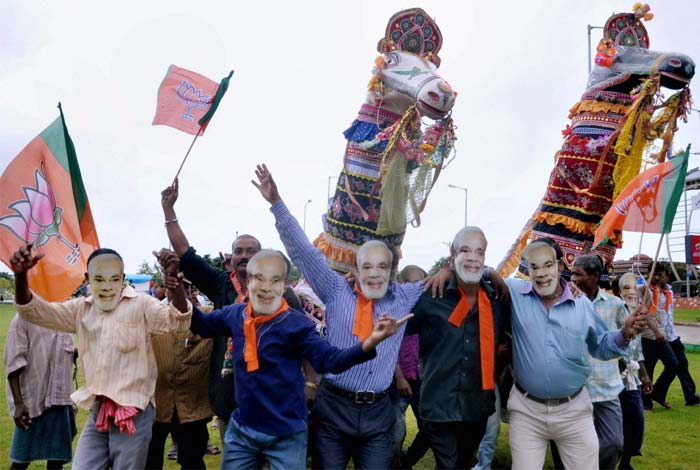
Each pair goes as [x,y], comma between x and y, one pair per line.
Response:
[328,189]
[305,204]
[465,200]
[589,45]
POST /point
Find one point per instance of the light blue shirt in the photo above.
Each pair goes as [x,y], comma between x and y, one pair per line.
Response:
[340,298]
[549,355]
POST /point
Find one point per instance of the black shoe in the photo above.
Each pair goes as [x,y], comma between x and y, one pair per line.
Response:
[694,401]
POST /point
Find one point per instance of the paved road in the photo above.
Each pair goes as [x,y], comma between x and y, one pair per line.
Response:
[689,334]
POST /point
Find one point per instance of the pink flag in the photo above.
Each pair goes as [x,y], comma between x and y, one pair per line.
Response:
[184,98]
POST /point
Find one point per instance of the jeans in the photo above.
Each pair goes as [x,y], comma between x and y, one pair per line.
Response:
[454,443]
[345,429]
[687,383]
[420,444]
[487,447]
[632,425]
[246,449]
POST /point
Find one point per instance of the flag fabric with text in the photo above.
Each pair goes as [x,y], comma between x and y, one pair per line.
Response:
[43,202]
[647,204]
[187,100]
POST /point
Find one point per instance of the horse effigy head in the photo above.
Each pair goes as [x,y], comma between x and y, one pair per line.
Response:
[612,132]
[406,73]
[624,58]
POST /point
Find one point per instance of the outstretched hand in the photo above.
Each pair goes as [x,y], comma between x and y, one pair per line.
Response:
[168,259]
[266,185]
[383,328]
[168,196]
[22,260]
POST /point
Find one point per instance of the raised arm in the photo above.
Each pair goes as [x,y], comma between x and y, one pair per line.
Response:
[32,308]
[311,263]
[175,234]
[607,344]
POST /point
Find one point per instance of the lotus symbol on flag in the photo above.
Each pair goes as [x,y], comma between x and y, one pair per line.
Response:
[193,99]
[38,218]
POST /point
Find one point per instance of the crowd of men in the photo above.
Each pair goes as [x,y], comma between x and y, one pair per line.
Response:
[568,364]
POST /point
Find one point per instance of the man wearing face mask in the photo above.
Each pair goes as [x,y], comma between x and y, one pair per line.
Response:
[460,335]
[270,340]
[114,326]
[353,415]
[222,287]
[551,332]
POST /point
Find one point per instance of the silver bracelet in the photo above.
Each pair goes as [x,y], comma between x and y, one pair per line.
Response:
[171,221]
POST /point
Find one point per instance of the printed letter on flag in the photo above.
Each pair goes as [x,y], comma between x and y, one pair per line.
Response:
[647,204]
[43,201]
[188,100]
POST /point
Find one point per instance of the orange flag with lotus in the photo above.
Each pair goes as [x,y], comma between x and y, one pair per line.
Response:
[43,202]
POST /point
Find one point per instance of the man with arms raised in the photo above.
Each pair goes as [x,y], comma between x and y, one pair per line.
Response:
[551,332]
[269,341]
[353,415]
[114,326]
[223,287]
[460,334]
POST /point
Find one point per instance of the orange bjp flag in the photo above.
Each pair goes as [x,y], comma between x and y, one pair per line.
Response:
[188,100]
[43,201]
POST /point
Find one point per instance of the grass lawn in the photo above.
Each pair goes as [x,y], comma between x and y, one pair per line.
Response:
[687,314]
[671,436]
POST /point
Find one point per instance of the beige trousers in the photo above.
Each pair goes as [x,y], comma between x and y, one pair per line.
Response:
[570,425]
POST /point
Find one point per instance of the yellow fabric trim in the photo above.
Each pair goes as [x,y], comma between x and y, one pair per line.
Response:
[334,252]
[569,222]
[597,107]
[576,208]
[605,198]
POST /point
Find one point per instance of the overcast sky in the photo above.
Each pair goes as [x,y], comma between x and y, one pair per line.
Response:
[301,70]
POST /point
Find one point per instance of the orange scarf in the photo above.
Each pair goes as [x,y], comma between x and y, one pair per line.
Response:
[250,324]
[655,300]
[486,334]
[364,320]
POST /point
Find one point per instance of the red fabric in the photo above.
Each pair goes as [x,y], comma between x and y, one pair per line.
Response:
[123,416]
[486,334]
[251,341]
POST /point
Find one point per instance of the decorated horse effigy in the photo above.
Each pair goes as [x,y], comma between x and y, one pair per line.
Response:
[621,113]
[391,163]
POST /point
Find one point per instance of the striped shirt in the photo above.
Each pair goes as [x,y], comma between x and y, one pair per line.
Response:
[114,347]
[340,298]
[666,312]
[46,356]
[604,383]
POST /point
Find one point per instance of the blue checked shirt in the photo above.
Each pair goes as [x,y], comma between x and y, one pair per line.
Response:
[549,348]
[666,312]
[334,291]
[604,383]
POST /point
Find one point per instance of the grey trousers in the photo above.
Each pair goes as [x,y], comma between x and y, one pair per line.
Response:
[607,418]
[113,449]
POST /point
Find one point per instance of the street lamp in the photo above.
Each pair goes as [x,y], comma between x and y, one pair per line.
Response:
[465,200]
[589,45]
[328,188]
[305,204]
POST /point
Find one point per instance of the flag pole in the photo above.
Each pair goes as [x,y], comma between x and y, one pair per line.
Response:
[651,271]
[199,132]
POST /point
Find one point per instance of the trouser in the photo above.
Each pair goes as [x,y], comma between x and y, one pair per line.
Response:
[191,441]
[686,380]
[632,425]
[607,419]
[487,447]
[653,351]
[114,449]
[247,449]
[454,443]
[420,444]
[345,429]
[570,425]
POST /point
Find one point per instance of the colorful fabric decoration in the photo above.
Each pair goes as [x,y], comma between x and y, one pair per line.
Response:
[43,201]
[391,161]
[620,115]
[123,416]
[412,31]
